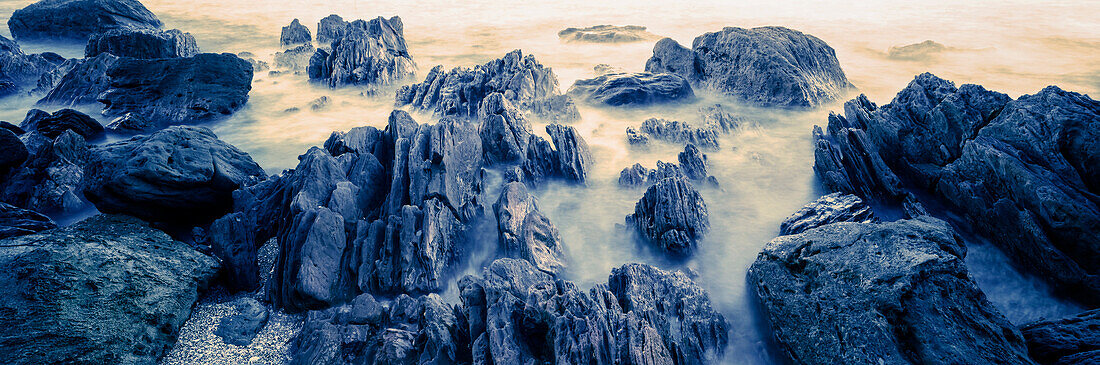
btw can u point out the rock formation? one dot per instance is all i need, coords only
(622, 89)
(607, 34)
(78, 19)
(671, 216)
(295, 34)
(142, 43)
(365, 53)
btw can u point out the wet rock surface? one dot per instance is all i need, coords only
(525, 232)
(1070, 340)
(295, 34)
(142, 43)
(692, 166)
(671, 216)
(53, 125)
(867, 293)
(22, 73)
(78, 19)
(83, 83)
(831, 208)
(15, 221)
(49, 178)
(364, 53)
(106, 290)
(607, 34)
(633, 89)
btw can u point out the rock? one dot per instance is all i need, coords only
(82, 84)
(606, 69)
(131, 123)
(504, 130)
(319, 103)
(524, 232)
(239, 329)
(671, 216)
(766, 66)
(178, 90)
(636, 175)
(257, 65)
(296, 59)
(521, 79)
(230, 240)
(872, 293)
(571, 152)
(633, 89)
(49, 79)
(832, 208)
(330, 28)
(108, 289)
(78, 19)
(1070, 340)
(295, 34)
(922, 51)
(693, 163)
(607, 34)
(692, 166)
(680, 132)
(635, 137)
(718, 118)
(142, 43)
(12, 128)
(20, 72)
(50, 178)
(12, 151)
(366, 53)
(52, 125)
(15, 221)
(177, 175)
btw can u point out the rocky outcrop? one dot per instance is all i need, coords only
(504, 130)
(178, 175)
(524, 232)
(22, 73)
(330, 28)
(53, 125)
(675, 131)
(1005, 166)
(633, 89)
(1063, 341)
(831, 208)
(365, 53)
(295, 59)
(767, 66)
(241, 328)
(922, 51)
(572, 157)
(49, 179)
(178, 90)
(521, 79)
(607, 34)
(83, 83)
(873, 293)
(15, 221)
(78, 19)
(671, 216)
(131, 123)
(692, 166)
(142, 43)
(106, 290)
(295, 34)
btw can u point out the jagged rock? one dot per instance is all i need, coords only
(295, 34)
(78, 19)
(296, 59)
(179, 175)
(524, 232)
(330, 28)
(1064, 341)
(239, 329)
(573, 158)
(522, 80)
(257, 65)
(15, 221)
(131, 123)
(49, 79)
(142, 43)
(53, 125)
(671, 216)
(504, 130)
(635, 137)
(556, 109)
(607, 34)
(319, 103)
(366, 53)
(605, 69)
(767, 66)
(832, 208)
(680, 132)
(108, 289)
(82, 84)
(633, 89)
(12, 151)
(718, 118)
(49, 180)
(20, 72)
(693, 163)
(917, 51)
(692, 166)
(636, 175)
(230, 240)
(178, 90)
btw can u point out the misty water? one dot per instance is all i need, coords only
(765, 169)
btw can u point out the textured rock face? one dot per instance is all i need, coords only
(179, 174)
(633, 89)
(607, 34)
(142, 43)
(20, 72)
(1019, 171)
(49, 179)
(767, 66)
(83, 83)
(78, 19)
(239, 329)
(524, 232)
(15, 221)
(330, 28)
(870, 293)
(1070, 340)
(12, 151)
(365, 53)
(573, 158)
(178, 90)
(53, 125)
(521, 79)
(671, 216)
(504, 130)
(680, 132)
(107, 290)
(297, 58)
(692, 166)
(295, 34)
(832, 208)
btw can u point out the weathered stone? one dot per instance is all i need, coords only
(239, 329)
(15, 221)
(142, 43)
(832, 208)
(671, 216)
(82, 84)
(1071, 340)
(49, 180)
(633, 89)
(504, 130)
(607, 34)
(295, 34)
(366, 53)
(53, 125)
(680, 132)
(78, 19)
(524, 232)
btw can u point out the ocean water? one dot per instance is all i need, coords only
(765, 168)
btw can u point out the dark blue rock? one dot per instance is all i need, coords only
(12, 151)
(83, 83)
(633, 89)
(832, 208)
(53, 125)
(15, 221)
(142, 43)
(78, 19)
(1063, 341)
(295, 34)
(365, 53)
(51, 178)
(239, 329)
(671, 216)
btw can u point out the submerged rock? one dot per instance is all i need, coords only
(524, 232)
(15, 221)
(365, 53)
(767, 66)
(142, 43)
(108, 289)
(295, 34)
(53, 125)
(21, 72)
(873, 293)
(607, 34)
(78, 19)
(296, 59)
(917, 51)
(1071, 340)
(178, 175)
(832, 208)
(671, 216)
(633, 89)
(680, 132)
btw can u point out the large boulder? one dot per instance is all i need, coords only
(642, 88)
(875, 293)
(180, 174)
(83, 83)
(142, 43)
(504, 130)
(16, 221)
(50, 178)
(106, 290)
(1071, 340)
(53, 125)
(525, 232)
(607, 34)
(574, 159)
(831, 208)
(12, 151)
(174, 91)
(78, 19)
(767, 66)
(366, 53)
(671, 216)
(675, 131)
(21, 72)
(295, 34)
